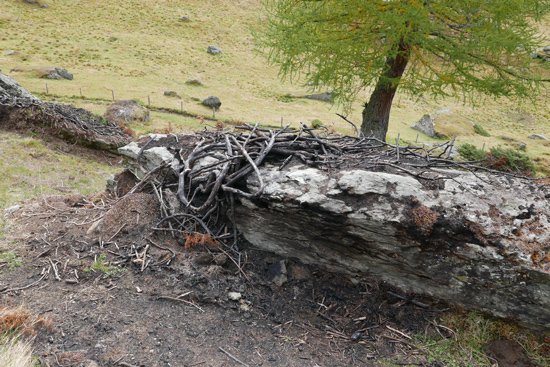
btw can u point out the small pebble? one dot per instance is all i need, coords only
(234, 296)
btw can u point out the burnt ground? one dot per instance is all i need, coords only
(181, 313)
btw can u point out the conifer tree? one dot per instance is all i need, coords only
(460, 48)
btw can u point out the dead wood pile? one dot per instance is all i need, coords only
(198, 194)
(70, 123)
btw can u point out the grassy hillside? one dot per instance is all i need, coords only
(139, 49)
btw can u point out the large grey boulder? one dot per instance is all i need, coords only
(444, 123)
(52, 72)
(425, 125)
(324, 97)
(10, 87)
(212, 102)
(127, 111)
(172, 93)
(475, 240)
(537, 137)
(479, 241)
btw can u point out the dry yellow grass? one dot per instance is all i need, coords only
(15, 353)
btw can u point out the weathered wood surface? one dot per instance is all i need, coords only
(478, 243)
(480, 240)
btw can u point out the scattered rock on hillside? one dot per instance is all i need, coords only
(172, 93)
(324, 97)
(446, 124)
(212, 102)
(194, 82)
(185, 19)
(52, 72)
(520, 146)
(126, 111)
(537, 137)
(544, 55)
(214, 50)
(425, 126)
(12, 88)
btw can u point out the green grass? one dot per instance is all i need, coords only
(32, 167)
(100, 264)
(11, 259)
(460, 340)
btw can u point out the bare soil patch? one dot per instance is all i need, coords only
(182, 312)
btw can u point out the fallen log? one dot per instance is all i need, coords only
(357, 206)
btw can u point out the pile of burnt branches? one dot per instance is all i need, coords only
(208, 178)
(71, 123)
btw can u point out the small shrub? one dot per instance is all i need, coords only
(192, 240)
(471, 153)
(509, 160)
(19, 320)
(127, 129)
(498, 158)
(481, 130)
(316, 123)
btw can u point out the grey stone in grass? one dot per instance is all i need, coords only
(214, 50)
(425, 126)
(172, 93)
(194, 82)
(212, 102)
(537, 137)
(324, 97)
(64, 74)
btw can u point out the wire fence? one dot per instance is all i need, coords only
(112, 98)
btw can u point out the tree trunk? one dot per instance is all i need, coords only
(376, 114)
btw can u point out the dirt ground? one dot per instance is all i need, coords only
(197, 310)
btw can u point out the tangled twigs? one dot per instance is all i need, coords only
(209, 177)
